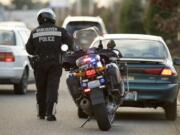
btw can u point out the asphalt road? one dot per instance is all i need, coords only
(18, 117)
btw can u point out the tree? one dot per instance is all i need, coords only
(85, 7)
(20, 4)
(131, 17)
(162, 18)
(106, 15)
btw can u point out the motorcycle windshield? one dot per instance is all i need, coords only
(84, 37)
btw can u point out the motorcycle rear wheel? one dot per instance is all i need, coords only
(101, 115)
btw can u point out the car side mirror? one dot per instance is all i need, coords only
(176, 61)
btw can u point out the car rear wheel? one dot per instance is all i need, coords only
(171, 110)
(21, 87)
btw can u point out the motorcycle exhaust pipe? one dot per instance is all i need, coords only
(85, 105)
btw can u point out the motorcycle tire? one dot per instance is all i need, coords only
(101, 115)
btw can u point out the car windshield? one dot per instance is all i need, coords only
(7, 38)
(74, 26)
(143, 49)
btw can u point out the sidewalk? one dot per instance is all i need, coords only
(178, 102)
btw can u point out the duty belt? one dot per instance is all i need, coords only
(47, 57)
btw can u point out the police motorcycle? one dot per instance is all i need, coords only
(92, 81)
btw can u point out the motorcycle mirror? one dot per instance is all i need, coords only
(100, 46)
(75, 34)
(64, 47)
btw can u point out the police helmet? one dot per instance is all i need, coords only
(46, 15)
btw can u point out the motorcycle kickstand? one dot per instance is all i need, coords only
(89, 118)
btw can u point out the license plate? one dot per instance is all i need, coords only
(130, 78)
(93, 84)
(132, 95)
(97, 96)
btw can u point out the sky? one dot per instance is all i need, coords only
(100, 2)
(6, 2)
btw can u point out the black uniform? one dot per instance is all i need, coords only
(45, 44)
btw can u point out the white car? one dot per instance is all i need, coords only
(13, 24)
(74, 23)
(14, 64)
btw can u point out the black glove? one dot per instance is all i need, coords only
(33, 60)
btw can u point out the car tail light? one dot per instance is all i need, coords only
(7, 57)
(156, 71)
(91, 73)
(167, 72)
(160, 71)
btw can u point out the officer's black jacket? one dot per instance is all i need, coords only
(46, 40)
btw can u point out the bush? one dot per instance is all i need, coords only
(162, 17)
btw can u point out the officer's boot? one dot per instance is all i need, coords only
(50, 112)
(41, 108)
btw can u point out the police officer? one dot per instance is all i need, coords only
(45, 45)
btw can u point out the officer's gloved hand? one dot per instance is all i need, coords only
(69, 52)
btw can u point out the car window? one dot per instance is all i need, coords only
(146, 49)
(74, 26)
(7, 38)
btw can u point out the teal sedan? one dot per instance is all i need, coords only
(153, 80)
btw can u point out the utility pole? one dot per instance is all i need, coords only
(91, 7)
(178, 32)
(78, 7)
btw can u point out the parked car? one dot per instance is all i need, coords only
(13, 24)
(14, 64)
(74, 23)
(3, 15)
(153, 80)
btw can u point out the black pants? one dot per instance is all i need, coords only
(73, 87)
(47, 76)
